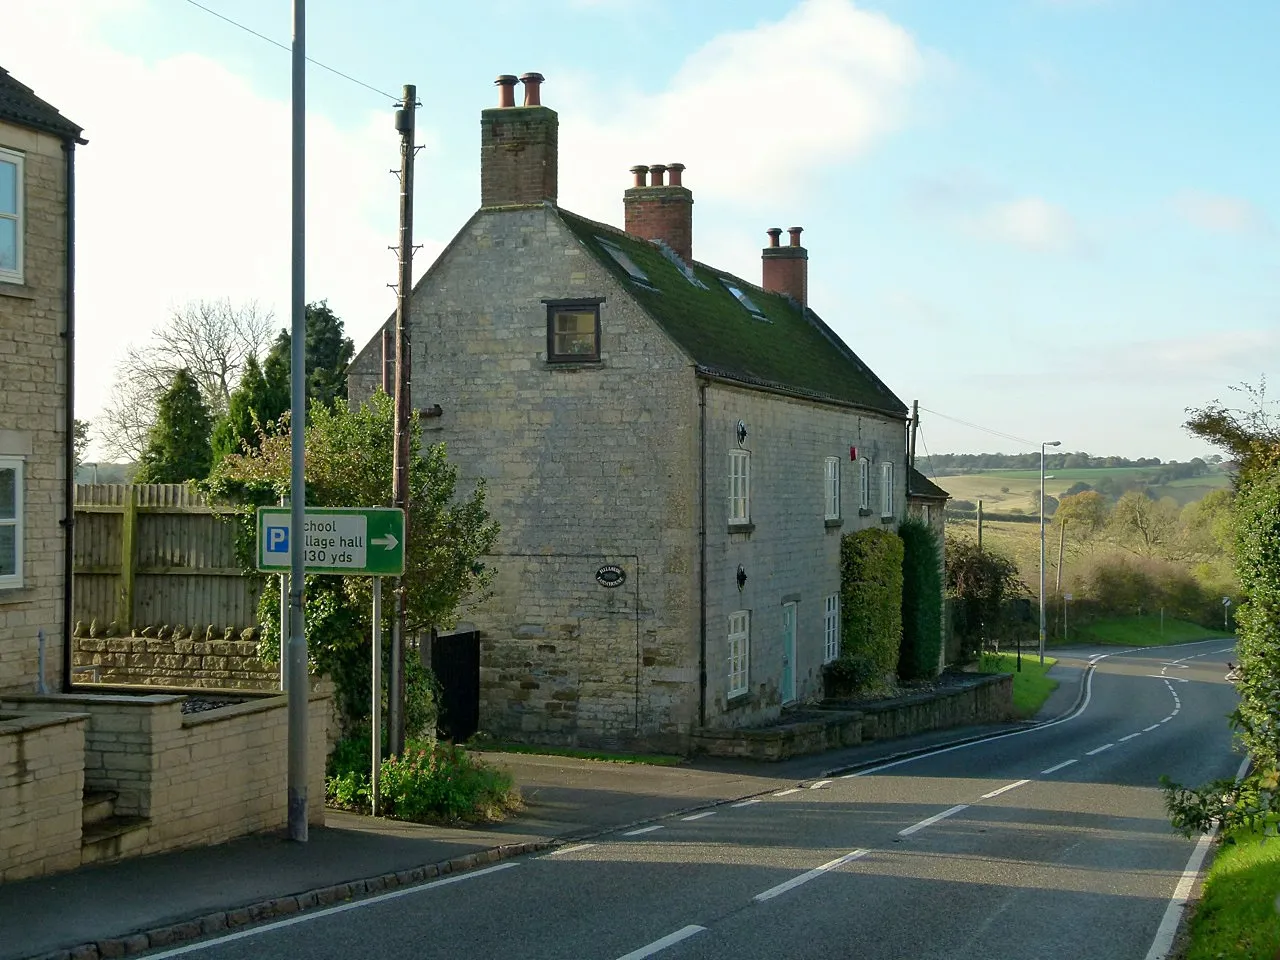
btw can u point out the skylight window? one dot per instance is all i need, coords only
(625, 262)
(743, 299)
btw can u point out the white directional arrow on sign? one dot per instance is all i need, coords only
(389, 541)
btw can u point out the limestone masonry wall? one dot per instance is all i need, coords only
(228, 664)
(41, 793)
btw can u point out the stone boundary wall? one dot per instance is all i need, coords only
(988, 700)
(41, 793)
(226, 663)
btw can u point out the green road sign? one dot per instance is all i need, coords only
(356, 541)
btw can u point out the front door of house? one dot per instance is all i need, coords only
(788, 652)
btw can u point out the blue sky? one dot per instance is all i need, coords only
(1051, 218)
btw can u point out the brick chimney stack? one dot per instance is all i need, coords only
(661, 211)
(519, 146)
(786, 269)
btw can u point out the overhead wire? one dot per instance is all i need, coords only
(978, 426)
(286, 47)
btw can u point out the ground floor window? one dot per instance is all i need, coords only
(831, 627)
(10, 522)
(739, 651)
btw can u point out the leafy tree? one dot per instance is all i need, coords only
(1085, 514)
(348, 463)
(328, 352)
(178, 448)
(256, 405)
(1207, 523)
(1145, 526)
(80, 439)
(1248, 433)
(978, 582)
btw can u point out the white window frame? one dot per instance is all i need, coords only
(738, 662)
(831, 627)
(19, 161)
(924, 513)
(886, 489)
(831, 487)
(15, 464)
(739, 486)
(864, 484)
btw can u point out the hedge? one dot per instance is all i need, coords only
(921, 601)
(871, 600)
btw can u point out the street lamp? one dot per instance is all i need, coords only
(1047, 443)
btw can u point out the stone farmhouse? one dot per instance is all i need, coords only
(673, 453)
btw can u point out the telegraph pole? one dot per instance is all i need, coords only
(915, 428)
(400, 457)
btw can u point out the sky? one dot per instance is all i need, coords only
(1042, 219)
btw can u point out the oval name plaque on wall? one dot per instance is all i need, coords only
(611, 575)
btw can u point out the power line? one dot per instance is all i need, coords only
(283, 46)
(976, 426)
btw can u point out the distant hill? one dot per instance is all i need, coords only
(951, 464)
(105, 472)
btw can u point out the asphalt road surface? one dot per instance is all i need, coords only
(1047, 843)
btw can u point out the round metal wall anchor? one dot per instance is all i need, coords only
(742, 578)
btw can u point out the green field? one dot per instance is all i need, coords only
(1142, 632)
(1006, 491)
(1031, 688)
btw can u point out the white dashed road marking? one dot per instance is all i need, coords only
(1005, 789)
(699, 816)
(745, 803)
(787, 793)
(806, 877)
(819, 785)
(649, 949)
(930, 821)
(636, 833)
(574, 849)
(1129, 737)
(1055, 769)
(1096, 750)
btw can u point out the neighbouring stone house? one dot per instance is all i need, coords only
(673, 453)
(37, 162)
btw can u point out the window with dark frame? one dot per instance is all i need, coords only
(573, 330)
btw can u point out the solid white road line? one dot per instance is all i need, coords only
(1105, 746)
(636, 833)
(684, 933)
(329, 911)
(932, 820)
(1150, 728)
(788, 792)
(745, 803)
(1167, 719)
(1182, 892)
(699, 816)
(819, 785)
(1129, 737)
(1055, 769)
(574, 849)
(1005, 789)
(806, 877)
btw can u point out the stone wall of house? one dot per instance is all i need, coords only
(789, 553)
(41, 793)
(586, 465)
(33, 410)
(169, 662)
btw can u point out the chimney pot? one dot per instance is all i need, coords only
(795, 235)
(656, 171)
(640, 170)
(774, 233)
(506, 84)
(532, 89)
(675, 169)
(786, 269)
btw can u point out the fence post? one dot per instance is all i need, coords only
(128, 537)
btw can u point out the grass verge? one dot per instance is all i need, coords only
(1141, 632)
(1031, 688)
(1238, 915)
(654, 759)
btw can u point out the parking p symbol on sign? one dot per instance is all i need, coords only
(277, 539)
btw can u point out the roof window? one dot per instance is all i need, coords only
(743, 299)
(625, 262)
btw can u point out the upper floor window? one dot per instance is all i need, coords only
(573, 330)
(864, 484)
(831, 486)
(886, 489)
(10, 522)
(11, 216)
(739, 486)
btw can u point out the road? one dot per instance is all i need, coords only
(1047, 843)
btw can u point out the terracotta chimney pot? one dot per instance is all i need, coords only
(506, 84)
(675, 169)
(532, 89)
(795, 235)
(656, 171)
(774, 233)
(640, 170)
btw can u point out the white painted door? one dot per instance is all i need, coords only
(788, 652)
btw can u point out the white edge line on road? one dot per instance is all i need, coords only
(807, 876)
(671, 939)
(1150, 728)
(788, 792)
(745, 803)
(819, 785)
(1105, 746)
(1167, 719)
(1056, 768)
(1129, 737)
(636, 833)
(1005, 789)
(574, 849)
(699, 816)
(328, 911)
(930, 821)
(1182, 892)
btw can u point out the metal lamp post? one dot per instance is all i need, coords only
(1047, 443)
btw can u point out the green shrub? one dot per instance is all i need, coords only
(921, 602)
(978, 583)
(441, 781)
(871, 600)
(849, 674)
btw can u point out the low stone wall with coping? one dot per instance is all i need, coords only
(41, 792)
(174, 662)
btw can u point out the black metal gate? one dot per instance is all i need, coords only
(455, 660)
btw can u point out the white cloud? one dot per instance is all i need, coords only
(753, 114)
(1221, 214)
(1031, 223)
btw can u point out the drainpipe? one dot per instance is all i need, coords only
(702, 555)
(69, 448)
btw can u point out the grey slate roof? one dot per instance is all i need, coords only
(918, 485)
(20, 106)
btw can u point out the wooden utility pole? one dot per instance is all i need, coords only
(400, 456)
(979, 524)
(915, 428)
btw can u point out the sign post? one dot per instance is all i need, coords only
(349, 541)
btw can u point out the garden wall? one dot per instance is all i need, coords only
(41, 793)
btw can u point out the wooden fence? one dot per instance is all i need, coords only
(155, 555)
